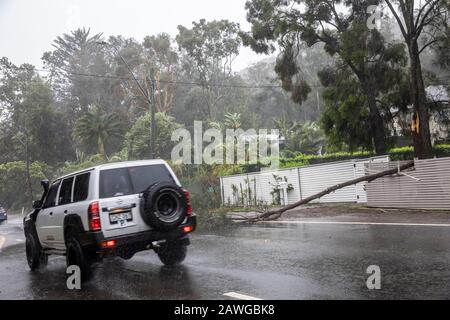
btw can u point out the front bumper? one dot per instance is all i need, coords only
(132, 243)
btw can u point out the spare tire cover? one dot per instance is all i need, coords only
(163, 206)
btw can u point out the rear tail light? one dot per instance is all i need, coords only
(109, 244)
(188, 229)
(94, 217)
(188, 202)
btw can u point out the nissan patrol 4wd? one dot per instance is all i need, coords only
(114, 209)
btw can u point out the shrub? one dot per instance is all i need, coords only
(407, 153)
(442, 150)
(14, 190)
(301, 160)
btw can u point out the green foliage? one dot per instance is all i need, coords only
(214, 220)
(307, 138)
(13, 183)
(304, 160)
(137, 140)
(442, 150)
(301, 160)
(80, 164)
(345, 119)
(368, 66)
(407, 153)
(96, 128)
(30, 122)
(233, 120)
(45, 126)
(404, 153)
(203, 184)
(211, 47)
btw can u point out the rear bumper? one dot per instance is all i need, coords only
(136, 242)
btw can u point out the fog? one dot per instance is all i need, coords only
(27, 28)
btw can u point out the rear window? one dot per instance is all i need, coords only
(131, 180)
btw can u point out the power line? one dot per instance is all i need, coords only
(115, 77)
(268, 86)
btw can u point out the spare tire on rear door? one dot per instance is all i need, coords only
(163, 206)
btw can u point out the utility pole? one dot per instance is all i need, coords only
(151, 101)
(153, 115)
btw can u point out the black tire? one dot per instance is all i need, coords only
(172, 253)
(75, 256)
(163, 206)
(44, 259)
(33, 252)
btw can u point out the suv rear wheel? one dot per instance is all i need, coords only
(172, 253)
(75, 256)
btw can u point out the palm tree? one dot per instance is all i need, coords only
(306, 138)
(216, 125)
(94, 126)
(311, 138)
(233, 120)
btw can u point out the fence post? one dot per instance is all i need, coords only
(299, 185)
(222, 192)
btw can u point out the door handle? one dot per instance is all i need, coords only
(65, 211)
(51, 213)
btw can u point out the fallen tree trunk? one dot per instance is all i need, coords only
(275, 214)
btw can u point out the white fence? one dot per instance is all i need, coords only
(288, 186)
(427, 186)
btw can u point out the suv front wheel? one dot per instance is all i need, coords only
(33, 253)
(172, 253)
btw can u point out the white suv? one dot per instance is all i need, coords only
(110, 210)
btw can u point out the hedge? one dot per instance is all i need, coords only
(407, 153)
(301, 160)
(404, 153)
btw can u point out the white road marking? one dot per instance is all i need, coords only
(363, 223)
(2, 242)
(240, 296)
(20, 240)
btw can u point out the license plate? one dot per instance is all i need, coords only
(122, 223)
(120, 218)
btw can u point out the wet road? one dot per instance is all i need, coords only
(276, 261)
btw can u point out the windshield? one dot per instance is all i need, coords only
(131, 180)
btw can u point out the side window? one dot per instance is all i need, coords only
(50, 201)
(81, 190)
(65, 194)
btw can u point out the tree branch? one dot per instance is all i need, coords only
(399, 21)
(423, 22)
(429, 44)
(275, 214)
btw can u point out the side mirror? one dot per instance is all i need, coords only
(46, 185)
(37, 204)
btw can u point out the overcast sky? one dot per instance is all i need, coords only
(28, 27)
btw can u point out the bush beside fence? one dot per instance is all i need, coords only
(301, 160)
